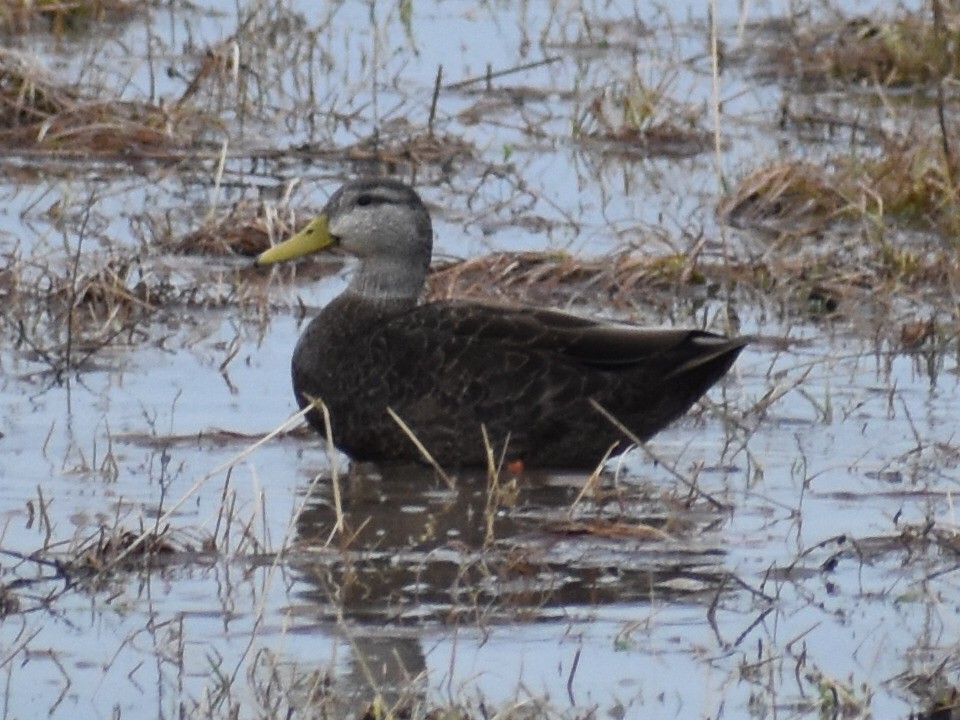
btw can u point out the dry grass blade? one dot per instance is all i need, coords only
(592, 481)
(334, 455)
(691, 486)
(423, 450)
(492, 74)
(495, 491)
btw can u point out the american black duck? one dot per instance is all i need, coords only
(448, 369)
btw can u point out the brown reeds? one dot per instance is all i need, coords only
(246, 229)
(908, 49)
(908, 181)
(641, 118)
(61, 17)
(39, 115)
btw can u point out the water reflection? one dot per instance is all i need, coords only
(415, 554)
(413, 548)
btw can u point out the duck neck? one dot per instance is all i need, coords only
(384, 281)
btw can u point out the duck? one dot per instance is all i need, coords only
(458, 382)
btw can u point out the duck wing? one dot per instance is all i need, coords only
(596, 344)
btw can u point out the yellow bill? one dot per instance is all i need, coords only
(313, 238)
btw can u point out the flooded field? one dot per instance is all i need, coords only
(174, 542)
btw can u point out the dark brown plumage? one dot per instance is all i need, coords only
(530, 377)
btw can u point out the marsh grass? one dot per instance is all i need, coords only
(41, 115)
(796, 197)
(641, 118)
(910, 186)
(63, 17)
(902, 50)
(399, 148)
(901, 165)
(65, 317)
(818, 285)
(914, 181)
(246, 229)
(540, 276)
(909, 183)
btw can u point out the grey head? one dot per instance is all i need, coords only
(385, 224)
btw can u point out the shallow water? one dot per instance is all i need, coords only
(813, 552)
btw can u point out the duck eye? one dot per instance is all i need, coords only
(365, 200)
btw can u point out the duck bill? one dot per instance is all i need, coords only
(313, 238)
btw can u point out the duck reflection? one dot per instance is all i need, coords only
(414, 550)
(414, 553)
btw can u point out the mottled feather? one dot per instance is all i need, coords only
(528, 376)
